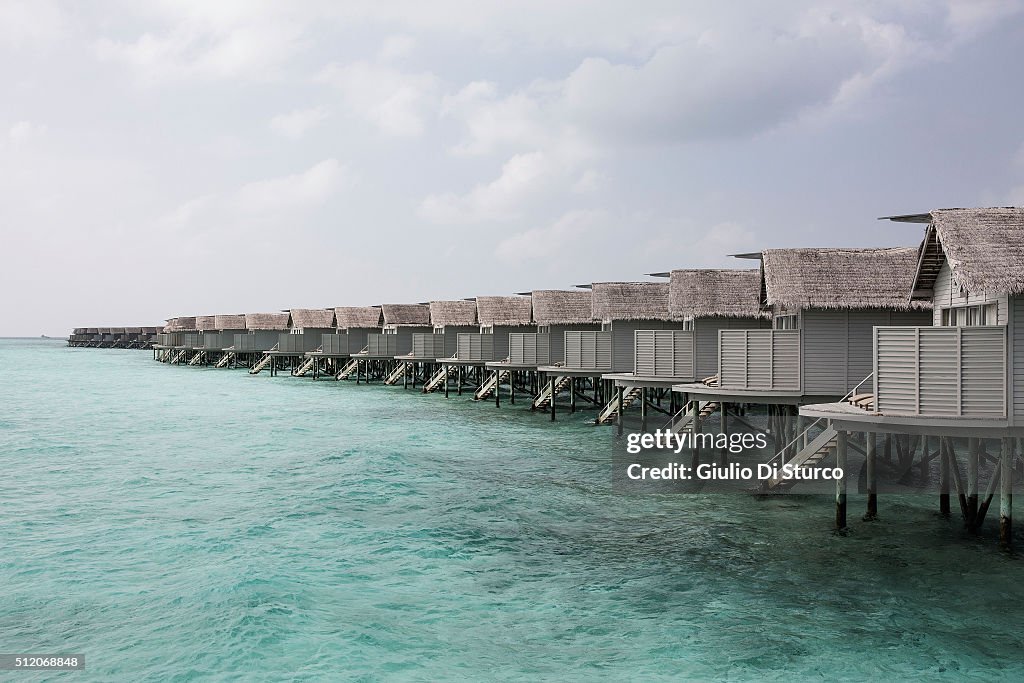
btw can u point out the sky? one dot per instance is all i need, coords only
(194, 158)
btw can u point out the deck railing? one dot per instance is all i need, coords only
(941, 371)
(379, 344)
(336, 344)
(428, 345)
(759, 359)
(588, 350)
(529, 348)
(663, 353)
(473, 346)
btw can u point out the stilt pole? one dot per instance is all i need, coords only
(870, 450)
(841, 481)
(1006, 493)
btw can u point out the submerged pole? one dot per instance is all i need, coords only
(944, 474)
(643, 410)
(872, 483)
(551, 385)
(618, 400)
(973, 459)
(841, 481)
(1006, 493)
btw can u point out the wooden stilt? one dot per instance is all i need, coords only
(973, 460)
(841, 481)
(872, 483)
(943, 481)
(618, 399)
(1006, 493)
(551, 388)
(643, 410)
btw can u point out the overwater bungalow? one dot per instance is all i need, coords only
(704, 301)
(448, 319)
(953, 390)
(305, 330)
(621, 308)
(498, 317)
(824, 304)
(148, 337)
(262, 331)
(217, 339)
(170, 347)
(193, 342)
(555, 312)
(353, 325)
(401, 322)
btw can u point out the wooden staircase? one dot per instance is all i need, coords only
(610, 412)
(396, 374)
(198, 358)
(225, 359)
(304, 369)
(544, 398)
(264, 362)
(439, 378)
(347, 371)
(492, 382)
(819, 448)
(683, 419)
(178, 357)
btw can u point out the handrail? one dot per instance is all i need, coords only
(801, 435)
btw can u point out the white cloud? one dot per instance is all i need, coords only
(295, 123)
(397, 103)
(24, 132)
(569, 231)
(524, 179)
(590, 181)
(260, 203)
(30, 24)
(189, 42)
(396, 47)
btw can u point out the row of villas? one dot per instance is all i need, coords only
(114, 337)
(869, 353)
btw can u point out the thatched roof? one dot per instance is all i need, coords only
(839, 278)
(709, 293)
(206, 322)
(504, 310)
(409, 315)
(117, 330)
(266, 321)
(78, 330)
(104, 330)
(92, 330)
(354, 317)
(229, 322)
(560, 307)
(312, 318)
(133, 330)
(151, 330)
(984, 249)
(181, 324)
(443, 313)
(630, 300)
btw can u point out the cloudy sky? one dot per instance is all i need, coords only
(196, 157)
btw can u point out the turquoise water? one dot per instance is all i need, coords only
(175, 523)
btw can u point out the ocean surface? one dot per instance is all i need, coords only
(175, 523)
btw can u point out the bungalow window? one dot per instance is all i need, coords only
(295, 330)
(487, 329)
(606, 326)
(688, 324)
(970, 316)
(438, 329)
(786, 322)
(390, 330)
(543, 329)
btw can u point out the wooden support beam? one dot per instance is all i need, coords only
(841, 481)
(1006, 494)
(870, 439)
